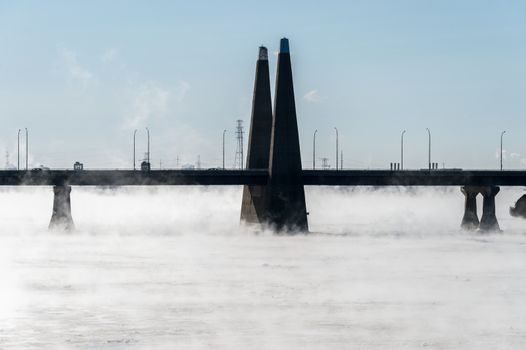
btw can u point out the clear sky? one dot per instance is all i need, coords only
(82, 75)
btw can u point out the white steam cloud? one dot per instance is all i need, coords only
(312, 96)
(109, 55)
(151, 100)
(75, 70)
(171, 267)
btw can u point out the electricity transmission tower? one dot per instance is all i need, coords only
(238, 161)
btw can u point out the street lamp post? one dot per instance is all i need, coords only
(148, 151)
(336, 147)
(27, 149)
(402, 151)
(224, 131)
(501, 136)
(429, 148)
(314, 150)
(18, 150)
(134, 134)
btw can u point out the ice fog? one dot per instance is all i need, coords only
(172, 268)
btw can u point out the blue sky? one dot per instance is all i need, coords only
(83, 75)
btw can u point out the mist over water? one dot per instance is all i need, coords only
(170, 267)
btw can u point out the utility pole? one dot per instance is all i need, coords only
(501, 136)
(224, 131)
(314, 150)
(27, 149)
(429, 148)
(402, 151)
(336, 147)
(18, 151)
(148, 153)
(134, 134)
(341, 160)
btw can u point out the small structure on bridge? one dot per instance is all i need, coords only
(78, 166)
(145, 166)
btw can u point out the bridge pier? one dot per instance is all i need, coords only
(281, 203)
(489, 222)
(470, 220)
(61, 217)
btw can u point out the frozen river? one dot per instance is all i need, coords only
(171, 268)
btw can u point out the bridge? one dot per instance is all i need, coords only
(471, 181)
(273, 192)
(215, 177)
(260, 177)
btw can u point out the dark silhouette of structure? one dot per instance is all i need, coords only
(281, 203)
(483, 181)
(286, 195)
(520, 207)
(61, 217)
(470, 220)
(253, 206)
(489, 222)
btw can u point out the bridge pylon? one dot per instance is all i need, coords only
(254, 204)
(281, 203)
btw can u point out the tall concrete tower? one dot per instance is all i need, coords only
(274, 145)
(253, 208)
(287, 210)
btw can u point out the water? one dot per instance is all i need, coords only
(171, 268)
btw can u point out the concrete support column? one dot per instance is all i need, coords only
(254, 204)
(274, 145)
(470, 220)
(286, 207)
(489, 222)
(61, 217)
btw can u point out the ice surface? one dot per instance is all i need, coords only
(171, 268)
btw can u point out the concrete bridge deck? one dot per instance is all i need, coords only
(414, 178)
(132, 177)
(260, 177)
